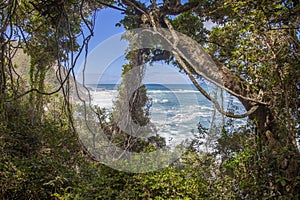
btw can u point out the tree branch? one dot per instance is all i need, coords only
(137, 5)
(168, 10)
(220, 75)
(250, 107)
(213, 100)
(111, 6)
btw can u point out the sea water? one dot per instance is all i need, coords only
(176, 109)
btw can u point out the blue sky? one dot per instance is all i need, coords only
(104, 29)
(104, 67)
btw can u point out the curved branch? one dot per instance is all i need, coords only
(136, 5)
(213, 100)
(235, 89)
(168, 10)
(62, 82)
(111, 6)
(177, 52)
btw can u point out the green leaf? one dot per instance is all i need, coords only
(283, 182)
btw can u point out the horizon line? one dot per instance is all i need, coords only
(144, 84)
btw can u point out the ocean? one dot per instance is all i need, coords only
(176, 109)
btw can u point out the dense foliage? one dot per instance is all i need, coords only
(256, 47)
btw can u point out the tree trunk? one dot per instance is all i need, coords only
(280, 151)
(277, 142)
(2, 73)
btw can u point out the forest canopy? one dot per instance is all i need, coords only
(254, 45)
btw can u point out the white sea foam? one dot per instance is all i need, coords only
(104, 99)
(175, 114)
(171, 91)
(155, 100)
